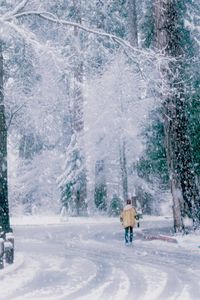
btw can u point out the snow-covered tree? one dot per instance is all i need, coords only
(172, 38)
(73, 180)
(100, 193)
(77, 84)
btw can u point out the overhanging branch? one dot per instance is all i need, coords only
(53, 18)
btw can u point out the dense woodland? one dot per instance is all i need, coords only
(99, 101)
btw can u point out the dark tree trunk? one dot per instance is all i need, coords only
(132, 23)
(100, 190)
(100, 16)
(179, 155)
(78, 124)
(4, 207)
(133, 39)
(123, 166)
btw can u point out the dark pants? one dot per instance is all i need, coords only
(127, 237)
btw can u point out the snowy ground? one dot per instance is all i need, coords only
(85, 258)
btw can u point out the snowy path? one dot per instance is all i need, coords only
(89, 261)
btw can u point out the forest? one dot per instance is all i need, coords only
(99, 102)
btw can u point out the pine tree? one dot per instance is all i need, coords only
(116, 206)
(152, 165)
(73, 181)
(100, 194)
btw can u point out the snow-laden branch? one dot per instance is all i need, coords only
(17, 9)
(135, 54)
(53, 18)
(39, 47)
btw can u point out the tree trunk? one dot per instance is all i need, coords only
(80, 192)
(123, 166)
(100, 16)
(4, 207)
(179, 155)
(133, 39)
(100, 190)
(78, 124)
(132, 23)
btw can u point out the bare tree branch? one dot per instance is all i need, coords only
(14, 113)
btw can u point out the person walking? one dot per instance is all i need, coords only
(128, 221)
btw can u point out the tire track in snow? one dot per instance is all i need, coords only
(120, 285)
(181, 286)
(9, 269)
(18, 279)
(113, 283)
(49, 279)
(168, 284)
(155, 281)
(148, 269)
(108, 284)
(97, 281)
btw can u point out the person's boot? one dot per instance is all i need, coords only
(131, 238)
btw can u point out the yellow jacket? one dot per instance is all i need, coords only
(127, 216)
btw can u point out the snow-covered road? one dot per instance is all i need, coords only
(88, 260)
